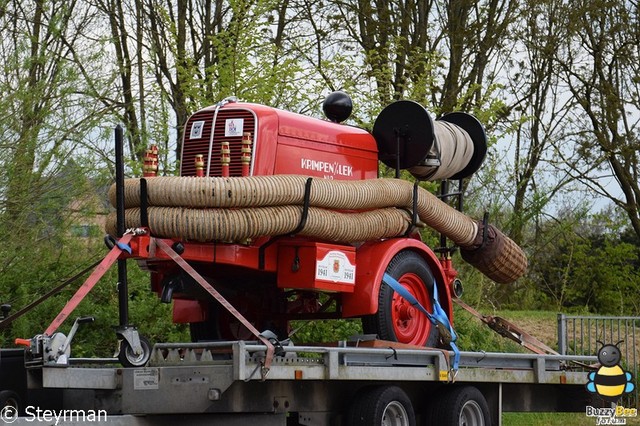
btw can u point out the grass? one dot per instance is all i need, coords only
(555, 419)
(475, 336)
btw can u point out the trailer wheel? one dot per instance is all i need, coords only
(459, 406)
(381, 406)
(129, 359)
(397, 320)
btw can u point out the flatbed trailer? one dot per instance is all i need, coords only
(279, 275)
(374, 383)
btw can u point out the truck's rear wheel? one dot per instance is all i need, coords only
(397, 320)
(459, 406)
(9, 399)
(381, 406)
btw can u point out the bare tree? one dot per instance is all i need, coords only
(44, 113)
(202, 51)
(407, 44)
(124, 18)
(539, 113)
(600, 65)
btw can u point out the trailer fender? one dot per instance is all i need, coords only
(372, 259)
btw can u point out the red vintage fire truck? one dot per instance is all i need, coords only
(277, 278)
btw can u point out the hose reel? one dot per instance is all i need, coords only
(451, 147)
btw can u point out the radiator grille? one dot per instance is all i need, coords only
(195, 146)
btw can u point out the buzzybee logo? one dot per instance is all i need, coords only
(610, 382)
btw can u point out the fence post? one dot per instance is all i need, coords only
(562, 334)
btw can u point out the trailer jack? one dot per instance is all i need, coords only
(134, 349)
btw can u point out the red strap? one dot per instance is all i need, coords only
(213, 292)
(85, 288)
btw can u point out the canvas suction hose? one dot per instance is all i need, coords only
(237, 208)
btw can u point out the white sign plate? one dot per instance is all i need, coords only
(146, 379)
(336, 267)
(233, 127)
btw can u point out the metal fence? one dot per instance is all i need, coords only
(580, 335)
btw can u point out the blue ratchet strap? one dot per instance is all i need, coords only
(441, 316)
(438, 316)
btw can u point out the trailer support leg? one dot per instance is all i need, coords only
(85, 288)
(124, 330)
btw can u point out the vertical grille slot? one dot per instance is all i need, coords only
(192, 147)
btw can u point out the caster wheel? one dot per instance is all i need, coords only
(128, 358)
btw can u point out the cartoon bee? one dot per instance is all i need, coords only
(610, 381)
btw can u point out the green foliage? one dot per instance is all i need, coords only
(545, 419)
(579, 262)
(325, 330)
(53, 261)
(585, 268)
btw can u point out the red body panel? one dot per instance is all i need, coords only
(186, 311)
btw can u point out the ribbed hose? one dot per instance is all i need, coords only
(240, 224)
(233, 209)
(454, 148)
(282, 190)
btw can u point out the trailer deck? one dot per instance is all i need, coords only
(315, 384)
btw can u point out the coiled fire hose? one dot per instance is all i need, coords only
(453, 148)
(237, 208)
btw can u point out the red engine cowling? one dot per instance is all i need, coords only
(281, 143)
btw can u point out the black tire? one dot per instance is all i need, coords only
(220, 325)
(381, 405)
(459, 406)
(128, 358)
(10, 399)
(204, 331)
(412, 271)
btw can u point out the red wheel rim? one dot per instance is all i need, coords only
(409, 324)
